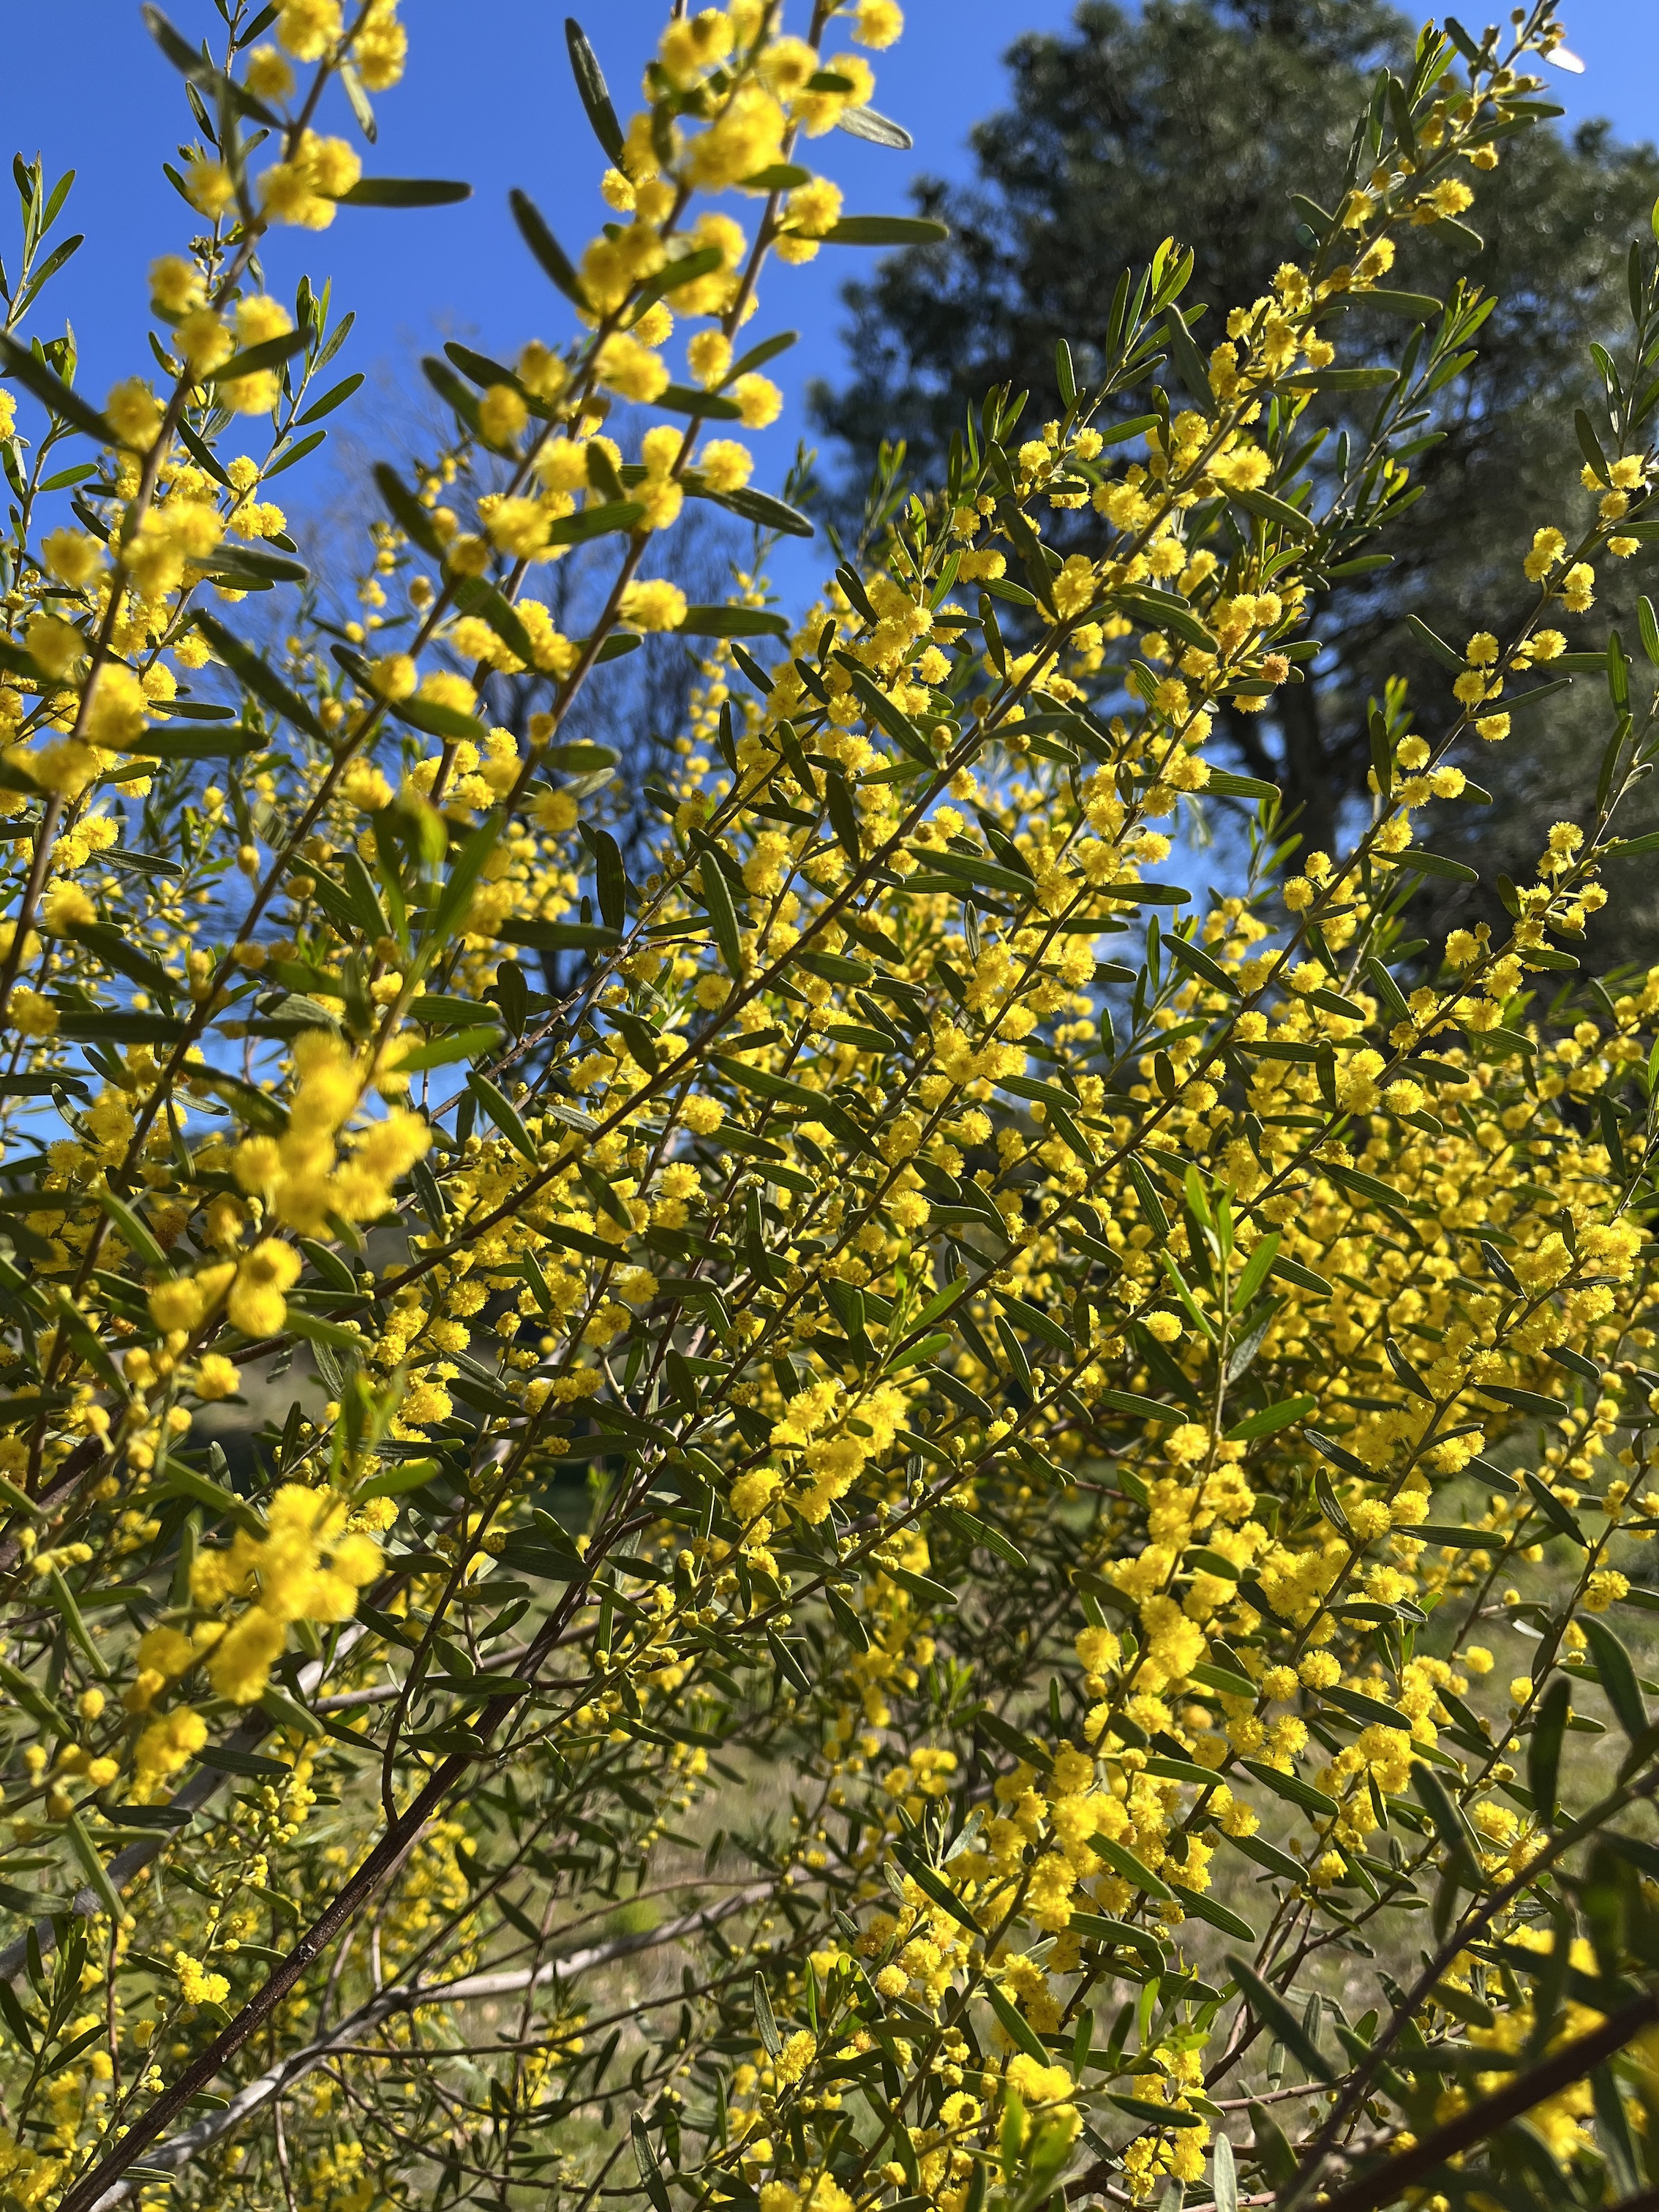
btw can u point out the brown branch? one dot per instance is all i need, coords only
(1389, 2180)
(408, 1996)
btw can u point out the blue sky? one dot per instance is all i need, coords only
(489, 97)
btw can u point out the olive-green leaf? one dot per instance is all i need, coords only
(1618, 1684)
(59, 398)
(270, 353)
(404, 193)
(504, 1115)
(556, 262)
(1271, 2009)
(1449, 1825)
(246, 664)
(722, 914)
(887, 230)
(1544, 1747)
(595, 94)
(732, 622)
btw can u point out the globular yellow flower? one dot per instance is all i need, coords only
(256, 1304)
(304, 188)
(216, 1376)
(503, 414)
(380, 47)
(654, 605)
(758, 400)
(239, 1665)
(72, 556)
(519, 527)
(31, 1014)
(66, 907)
(184, 1302)
(630, 369)
(543, 371)
(116, 716)
(268, 73)
(164, 1747)
(175, 284)
(207, 185)
(709, 357)
(394, 676)
(196, 1984)
(877, 23)
(308, 28)
(695, 43)
(726, 465)
(134, 413)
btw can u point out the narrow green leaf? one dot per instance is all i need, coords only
(1279, 511)
(505, 1116)
(444, 1051)
(732, 622)
(1447, 655)
(1292, 1788)
(1224, 2177)
(1423, 305)
(887, 230)
(332, 399)
(1122, 1860)
(1203, 964)
(407, 512)
(1145, 1409)
(935, 1887)
(1149, 2111)
(560, 936)
(49, 388)
(133, 1232)
(1544, 1747)
(556, 262)
(288, 1712)
(1257, 1268)
(449, 915)
(879, 130)
(270, 353)
(594, 92)
(705, 406)
(248, 665)
(1449, 1823)
(255, 566)
(1225, 784)
(1270, 1419)
(1436, 864)
(1271, 2009)
(764, 511)
(1618, 1684)
(97, 1874)
(1014, 2025)
(404, 193)
(1190, 363)
(316, 1330)
(592, 522)
(1200, 1906)
(722, 916)
(609, 878)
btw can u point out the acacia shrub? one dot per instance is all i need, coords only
(1066, 1376)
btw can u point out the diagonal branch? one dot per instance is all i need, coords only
(178, 2152)
(200, 1789)
(1396, 2175)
